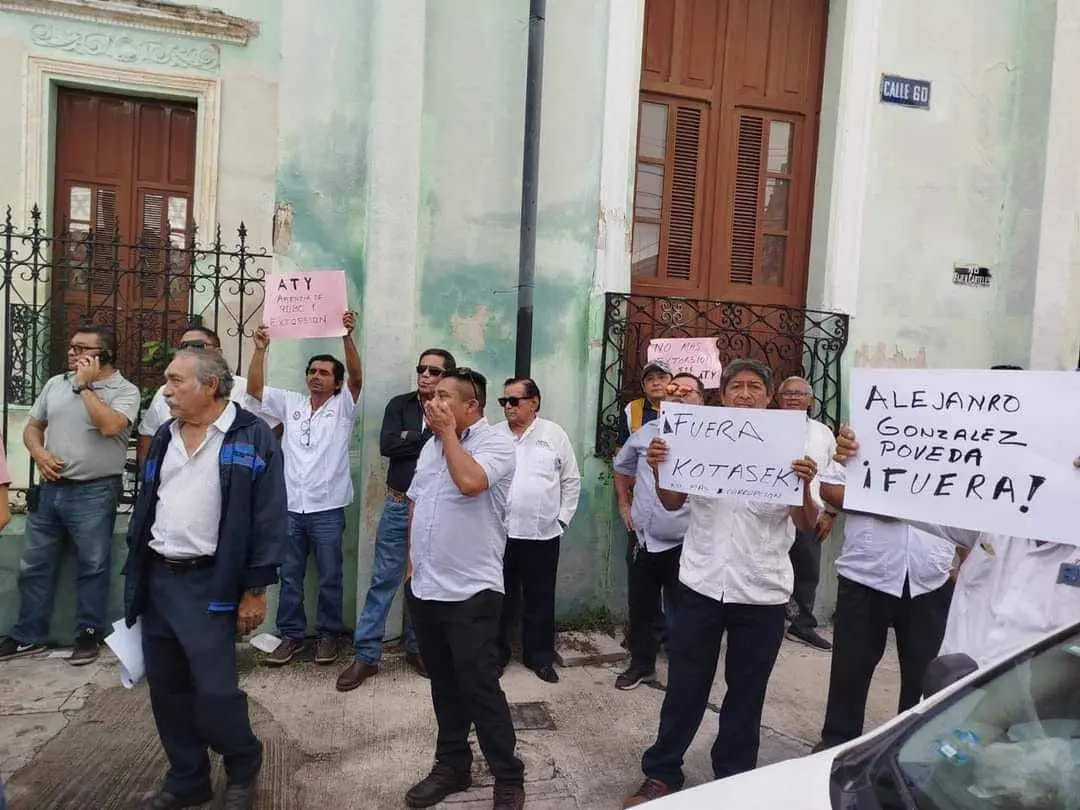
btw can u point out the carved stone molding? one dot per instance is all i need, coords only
(123, 48)
(148, 15)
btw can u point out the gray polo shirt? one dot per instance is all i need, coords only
(71, 435)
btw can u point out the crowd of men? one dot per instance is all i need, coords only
(243, 482)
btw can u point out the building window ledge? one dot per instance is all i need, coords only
(147, 15)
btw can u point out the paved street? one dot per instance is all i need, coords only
(73, 738)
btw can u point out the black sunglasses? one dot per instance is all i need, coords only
(434, 371)
(196, 344)
(515, 401)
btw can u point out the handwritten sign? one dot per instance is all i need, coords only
(733, 452)
(305, 305)
(697, 356)
(985, 450)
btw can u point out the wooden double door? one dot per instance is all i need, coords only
(122, 216)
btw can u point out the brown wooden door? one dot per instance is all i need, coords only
(727, 135)
(125, 173)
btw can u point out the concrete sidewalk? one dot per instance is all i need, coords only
(73, 738)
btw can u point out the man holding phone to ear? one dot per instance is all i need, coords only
(77, 433)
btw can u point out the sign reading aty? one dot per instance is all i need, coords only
(985, 450)
(697, 356)
(733, 452)
(305, 305)
(905, 92)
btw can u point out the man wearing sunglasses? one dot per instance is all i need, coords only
(457, 536)
(196, 338)
(318, 482)
(404, 432)
(543, 500)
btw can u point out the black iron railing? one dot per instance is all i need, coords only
(791, 341)
(147, 291)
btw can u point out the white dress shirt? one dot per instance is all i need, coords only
(157, 412)
(1007, 594)
(883, 553)
(657, 529)
(316, 447)
(547, 484)
(736, 551)
(457, 542)
(188, 512)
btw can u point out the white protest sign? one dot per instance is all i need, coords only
(697, 356)
(733, 452)
(985, 450)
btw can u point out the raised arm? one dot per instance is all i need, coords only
(256, 376)
(353, 369)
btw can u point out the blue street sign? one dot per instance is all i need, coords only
(905, 92)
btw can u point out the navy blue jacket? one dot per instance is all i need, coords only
(254, 522)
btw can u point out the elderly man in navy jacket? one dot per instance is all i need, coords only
(206, 539)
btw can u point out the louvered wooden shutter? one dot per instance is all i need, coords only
(745, 226)
(682, 229)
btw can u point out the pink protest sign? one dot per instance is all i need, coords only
(310, 304)
(697, 356)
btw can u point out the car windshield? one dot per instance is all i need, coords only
(1012, 741)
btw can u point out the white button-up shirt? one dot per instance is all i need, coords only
(656, 528)
(316, 447)
(736, 551)
(188, 511)
(1007, 594)
(547, 484)
(457, 542)
(157, 412)
(883, 553)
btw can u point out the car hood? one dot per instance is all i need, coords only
(801, 783)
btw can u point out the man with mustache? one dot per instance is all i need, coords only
(318, 434)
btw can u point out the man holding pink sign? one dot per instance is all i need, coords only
(318, 432)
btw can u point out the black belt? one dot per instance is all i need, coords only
(67, 482)
(185, 564)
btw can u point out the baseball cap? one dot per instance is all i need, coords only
(655, 365)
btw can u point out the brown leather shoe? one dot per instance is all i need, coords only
(650, 789)
(326, 650)
(509, 797)
(437, 785)
(355, 674)
(285, 652)
(414, 660)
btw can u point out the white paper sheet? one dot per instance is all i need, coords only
(732, 452)
(126, 644)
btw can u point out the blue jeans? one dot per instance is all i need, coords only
(86, 513)
(387, 572)
(321, 533)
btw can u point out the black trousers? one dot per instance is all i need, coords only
(860, 632)
(805, 558)
(461, 654)
(530, 569)
(755, 633)
(652, 575)
(195, 694)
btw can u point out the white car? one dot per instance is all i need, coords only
(1005, 737)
